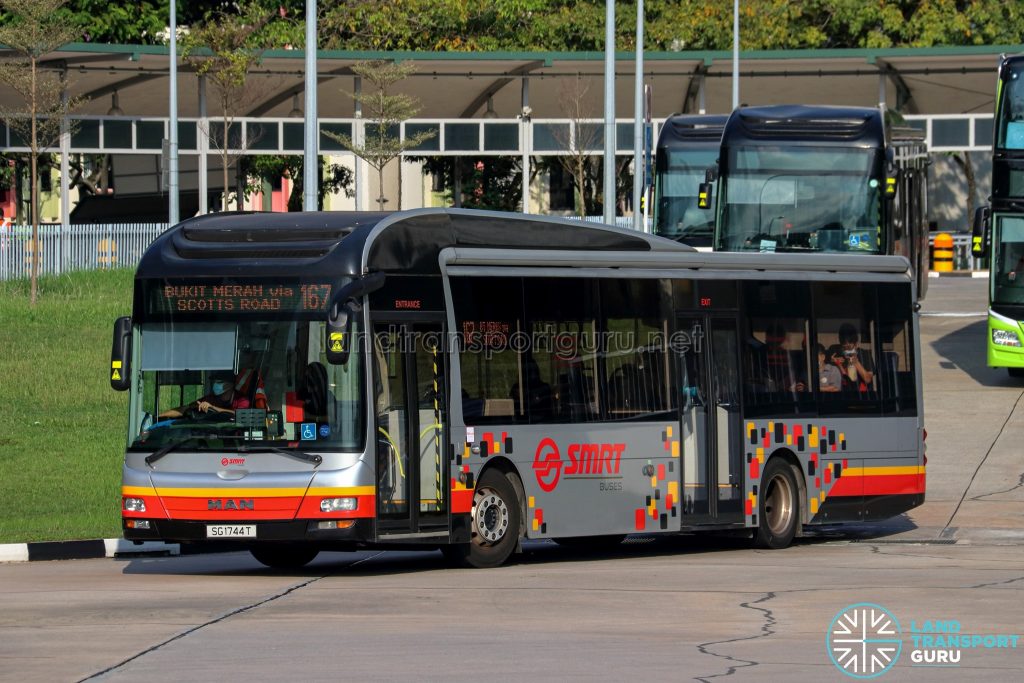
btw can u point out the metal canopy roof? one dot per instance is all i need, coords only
(950, 80)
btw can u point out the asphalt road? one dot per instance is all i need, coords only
(687, 608)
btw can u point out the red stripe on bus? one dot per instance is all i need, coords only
(641, 519)
(878, 485)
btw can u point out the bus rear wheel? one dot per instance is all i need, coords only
(496, 524)
(778, 509)
(284, 556)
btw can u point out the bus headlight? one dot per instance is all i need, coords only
(1005, 338)
(134, 505)
(337, 505)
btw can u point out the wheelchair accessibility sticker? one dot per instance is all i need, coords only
(308, 431)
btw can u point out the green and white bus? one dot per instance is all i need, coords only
(459, 380)
(999, 227)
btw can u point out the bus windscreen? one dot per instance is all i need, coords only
(802, 199)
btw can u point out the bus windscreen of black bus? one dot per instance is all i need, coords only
(680, 173)
(802, 199)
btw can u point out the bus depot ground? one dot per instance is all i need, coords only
(694, 608)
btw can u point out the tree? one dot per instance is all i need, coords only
(33, 30)
(580, 163)
(486, 182)
(263, 169)
(385, 112)
(225, 49)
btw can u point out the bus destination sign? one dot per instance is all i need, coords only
(241, 298)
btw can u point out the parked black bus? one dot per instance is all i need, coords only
(797, 178)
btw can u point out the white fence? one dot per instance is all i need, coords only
(64, 248)
(74, 247)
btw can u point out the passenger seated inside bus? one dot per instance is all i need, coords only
(856, 365)
(829, 378)
(776, 368)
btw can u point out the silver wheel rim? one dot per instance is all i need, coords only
(778, 505)
(490, 516)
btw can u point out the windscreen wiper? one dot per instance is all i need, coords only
(312, 458)
(156, 455)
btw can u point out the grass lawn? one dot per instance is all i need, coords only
(62, 428)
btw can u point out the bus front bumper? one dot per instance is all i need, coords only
(302, 530)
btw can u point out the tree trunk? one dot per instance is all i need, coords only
(380, 179)
(224, 171)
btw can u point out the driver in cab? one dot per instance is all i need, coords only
(223, 398)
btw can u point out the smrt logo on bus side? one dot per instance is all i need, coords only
(584, 458)
(232, 461)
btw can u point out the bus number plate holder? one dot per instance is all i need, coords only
(231, 531)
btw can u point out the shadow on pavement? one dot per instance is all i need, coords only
(965, 349)
(375, 563)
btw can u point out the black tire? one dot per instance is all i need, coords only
(592, 542)
(284, 556)
(778, 507)
(496, 524)
(1015, 373)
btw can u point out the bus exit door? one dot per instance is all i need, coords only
(711, 420)
(409, 386)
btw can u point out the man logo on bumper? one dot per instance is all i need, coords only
(230, 504)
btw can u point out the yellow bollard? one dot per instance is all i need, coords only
(942, 253)
(106, 252)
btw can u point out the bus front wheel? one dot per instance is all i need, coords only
(778, 509)
(1015, 373)
(495, 523)
(284, 556)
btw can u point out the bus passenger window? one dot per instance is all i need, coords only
(846, 327)
(896, 367)
(635, 363)
(488, 317)
(776, 360)
(563, 342)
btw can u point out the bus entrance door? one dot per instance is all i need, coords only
(409, 385)
(710, 420)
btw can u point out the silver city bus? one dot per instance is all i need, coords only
(464, 380)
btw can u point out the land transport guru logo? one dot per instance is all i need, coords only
(584, 460)
(864, 640)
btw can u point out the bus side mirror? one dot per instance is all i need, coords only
(338, 341)
(121, 355)
(344, 305)
(704, 196)
(981, 232)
